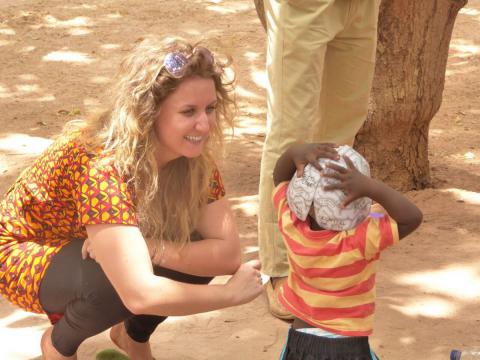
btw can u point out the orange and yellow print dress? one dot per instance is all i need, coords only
(49, 205)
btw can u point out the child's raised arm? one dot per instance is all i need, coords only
(355, 185)
(297, 156)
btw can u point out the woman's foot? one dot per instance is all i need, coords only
(135, 350)
(48, 350)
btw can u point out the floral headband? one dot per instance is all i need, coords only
(175, 63)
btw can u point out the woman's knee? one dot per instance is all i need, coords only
(97, 290)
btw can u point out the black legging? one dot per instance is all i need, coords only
(80, 291)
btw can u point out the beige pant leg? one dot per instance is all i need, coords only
(297, 38)
(304, 102)
(348, 74)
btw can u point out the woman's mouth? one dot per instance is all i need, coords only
(194, 139)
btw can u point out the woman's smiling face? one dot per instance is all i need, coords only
(185, 119)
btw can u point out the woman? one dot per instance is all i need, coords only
(137, 181)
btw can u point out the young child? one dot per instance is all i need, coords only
(331, 285)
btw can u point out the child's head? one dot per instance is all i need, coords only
(307, 192)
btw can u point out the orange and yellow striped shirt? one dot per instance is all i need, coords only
(331, 284)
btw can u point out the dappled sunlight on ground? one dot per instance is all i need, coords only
(463, 48)
(7, 31)
(21, 144)
(244, 93)
(20, 333)
(247, 204)
(250, 249)
(425, 306)
(259, 77)
(245, 125)
(227, 7)
(470, 11)
(455, 282)
(68, 56)
(469, 197)
(52, 22)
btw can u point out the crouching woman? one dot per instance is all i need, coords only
(136, 181)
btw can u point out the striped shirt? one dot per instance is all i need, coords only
(331, 284)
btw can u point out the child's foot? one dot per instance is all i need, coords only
(135, 350)
(48, 350)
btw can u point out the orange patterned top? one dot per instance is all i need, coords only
(65, 189)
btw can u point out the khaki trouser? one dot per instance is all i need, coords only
(320, 64)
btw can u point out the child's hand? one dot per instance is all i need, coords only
(351, 181)
(304, 154)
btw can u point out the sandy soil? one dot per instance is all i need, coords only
(56, 58)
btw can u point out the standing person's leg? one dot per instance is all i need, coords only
(348, 75)
(298, 32)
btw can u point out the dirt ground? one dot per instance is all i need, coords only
(57, 58)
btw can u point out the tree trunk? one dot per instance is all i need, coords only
(261, 12)
(412, 53)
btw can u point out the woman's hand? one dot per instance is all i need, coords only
(246, 284)
(351, 181)
(87, 250)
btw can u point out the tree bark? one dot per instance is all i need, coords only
(261, 12)
(412, 54)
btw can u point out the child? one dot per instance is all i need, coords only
(331, 285)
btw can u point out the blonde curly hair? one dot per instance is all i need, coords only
(168, 202)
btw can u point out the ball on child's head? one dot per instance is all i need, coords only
(329, 214)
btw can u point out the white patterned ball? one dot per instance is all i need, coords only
(329, 213)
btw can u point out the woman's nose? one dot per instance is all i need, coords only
(203, 123)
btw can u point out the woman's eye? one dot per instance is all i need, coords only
(188, 112)
(211, 109)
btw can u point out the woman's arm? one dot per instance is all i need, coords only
(219, 253)
(123, 255)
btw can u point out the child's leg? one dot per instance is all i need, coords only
(284, 350)
(304, 346)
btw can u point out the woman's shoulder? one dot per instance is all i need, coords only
(56, 158)
(75, 148)
(67, 144)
